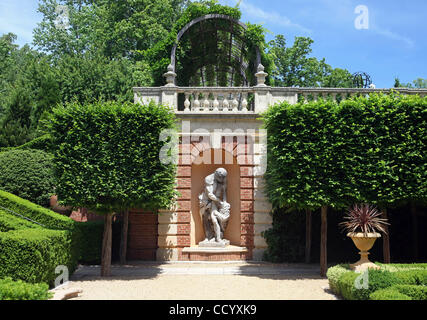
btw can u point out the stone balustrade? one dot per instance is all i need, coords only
(247, 100)
(217, 99)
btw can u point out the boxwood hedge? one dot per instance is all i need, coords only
(19, 290)
(32, 255)
(31, 251)
(404, 284)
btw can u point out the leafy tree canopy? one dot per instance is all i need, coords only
(294, 67)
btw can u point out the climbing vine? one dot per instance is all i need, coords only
(216, 50)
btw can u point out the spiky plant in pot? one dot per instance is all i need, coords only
(363, 223)
(364, 218)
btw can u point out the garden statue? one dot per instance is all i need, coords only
(214, 209)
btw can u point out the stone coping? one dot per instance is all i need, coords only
(230, 115)
(228, 249)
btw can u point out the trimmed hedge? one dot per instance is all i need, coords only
(413, 277)
(19, 290)
(41, 143)
(27, 174)
(335, 273)
(32, 255)
(10, 222)
(378, 279)
(46, 217)
(401, 292)
(107, 156)
(415, 292)
(361, 150)
(382, 284)
(389, 294)
(31, 252)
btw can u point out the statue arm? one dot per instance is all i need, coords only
(210, 193)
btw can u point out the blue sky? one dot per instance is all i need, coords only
(395, 43)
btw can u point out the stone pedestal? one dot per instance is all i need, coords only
(213, 244)
(229, 253)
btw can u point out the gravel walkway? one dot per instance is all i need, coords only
(205, 281)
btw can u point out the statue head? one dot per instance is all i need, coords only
(220, 175)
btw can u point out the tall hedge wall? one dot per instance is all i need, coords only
(366, 149)
(107, 156)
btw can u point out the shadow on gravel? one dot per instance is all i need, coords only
(131, 271)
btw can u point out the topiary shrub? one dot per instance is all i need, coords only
(107, 159)
(377, 279)
(19, 290)
(10, 222)
(396, 285)
(388, 294)
(413, 291)
(46, 217)
(32, 255)
(31, 251)
(412, 277)
(334, 274)
(27, 174)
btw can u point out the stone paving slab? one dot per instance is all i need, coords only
(155, 269)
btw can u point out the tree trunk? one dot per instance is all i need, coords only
(414, 232)
(106, 246)
(124, 238)
(307, 236)
(386, 239)
(323, 241)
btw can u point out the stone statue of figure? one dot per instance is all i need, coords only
(214, 209)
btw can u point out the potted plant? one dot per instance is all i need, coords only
(363, 224)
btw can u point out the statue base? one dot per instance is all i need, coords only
(213, 244)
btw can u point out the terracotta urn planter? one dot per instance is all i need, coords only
(364, 242)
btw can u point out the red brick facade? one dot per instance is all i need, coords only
(143, 234)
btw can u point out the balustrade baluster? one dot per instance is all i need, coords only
(187, 102)
(245, 102)
(196, 104)
(215, 103)
(235, 103)
(206, 102)
(225, 104)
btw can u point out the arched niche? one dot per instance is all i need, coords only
(199, 171)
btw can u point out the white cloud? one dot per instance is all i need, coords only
(394, 36)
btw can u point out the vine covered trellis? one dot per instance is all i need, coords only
(209, 46)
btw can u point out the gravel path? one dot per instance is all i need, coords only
(203, 281)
